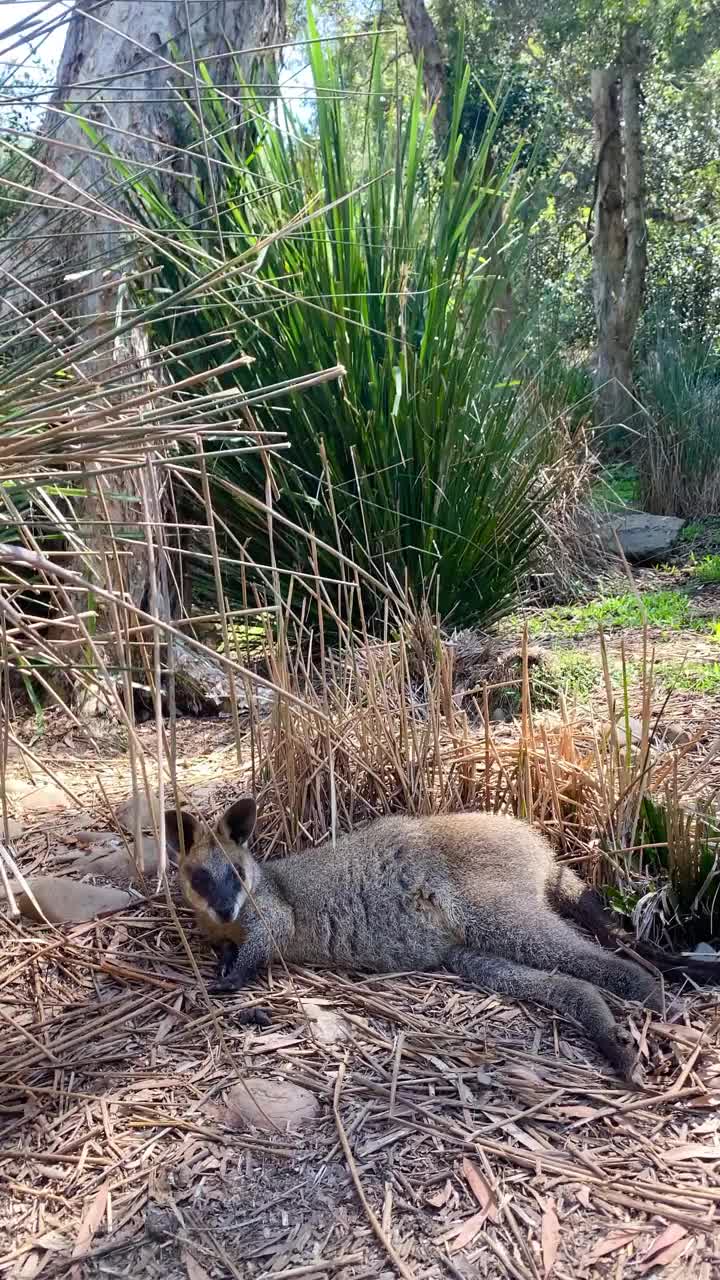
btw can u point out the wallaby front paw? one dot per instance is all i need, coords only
(255, 1017)
(225, 985)
(227, 960)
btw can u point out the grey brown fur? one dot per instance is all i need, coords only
(477, 894)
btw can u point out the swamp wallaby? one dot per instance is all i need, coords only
(478, 894)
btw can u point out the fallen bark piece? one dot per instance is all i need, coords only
(47, 799)
(112, 861)
(202, 685)
(146, 808)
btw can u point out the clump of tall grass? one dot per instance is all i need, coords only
(384, 725)
(679, 457)
(426, 463)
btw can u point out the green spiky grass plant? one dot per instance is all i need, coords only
(662, 851)
(425, 465)
(678, 463)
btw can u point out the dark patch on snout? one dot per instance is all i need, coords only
(219, 888)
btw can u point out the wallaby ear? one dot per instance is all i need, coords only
(238, 822)
(173, 825)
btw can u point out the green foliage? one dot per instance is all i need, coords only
(695, 677)
(425, 463)
(567, 672)
(680, 857)
(679, 463)
(664, 610)
(690, 532)
(617, 488)
(563, 386)
(552, 49)
(18, 120)
(707, 569)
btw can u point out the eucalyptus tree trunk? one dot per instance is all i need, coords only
(124, 69)
(424, 41)
(67, 259)
(619, 246)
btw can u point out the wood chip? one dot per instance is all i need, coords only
(481, 1189)
(550, 1236)
(91, 1222)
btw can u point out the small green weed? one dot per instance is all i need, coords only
(661, 609)
(680, 853)
(696, 677)
(568, 672)
(691, 531)
(707, 569)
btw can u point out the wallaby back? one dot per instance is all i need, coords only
(394, 894)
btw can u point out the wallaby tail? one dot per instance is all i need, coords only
(571, 897)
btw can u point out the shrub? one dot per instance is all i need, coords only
(363, 246)
(679, 462)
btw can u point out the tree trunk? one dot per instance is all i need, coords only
(619, 246)
(124, 69)
(424, 42)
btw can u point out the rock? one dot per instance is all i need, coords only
(676, 735)
(47, 799)
(111, 860)
(145, 805)
(14, 829)
(65, 901)
(642, 536)
(326, 1026)
(87, 839)
(270, 1104)
(202, 684)
(664, 735)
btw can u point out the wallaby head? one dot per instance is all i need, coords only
(217, 870)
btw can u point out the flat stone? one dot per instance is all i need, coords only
(643, 537)
(270, 1104)
(65, 901)
(326, 1026)
(47, 799)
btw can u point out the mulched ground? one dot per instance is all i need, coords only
(458, 1134)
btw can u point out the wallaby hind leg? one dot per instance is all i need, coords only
(572, 898)
(569, 996)
(529, 935)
